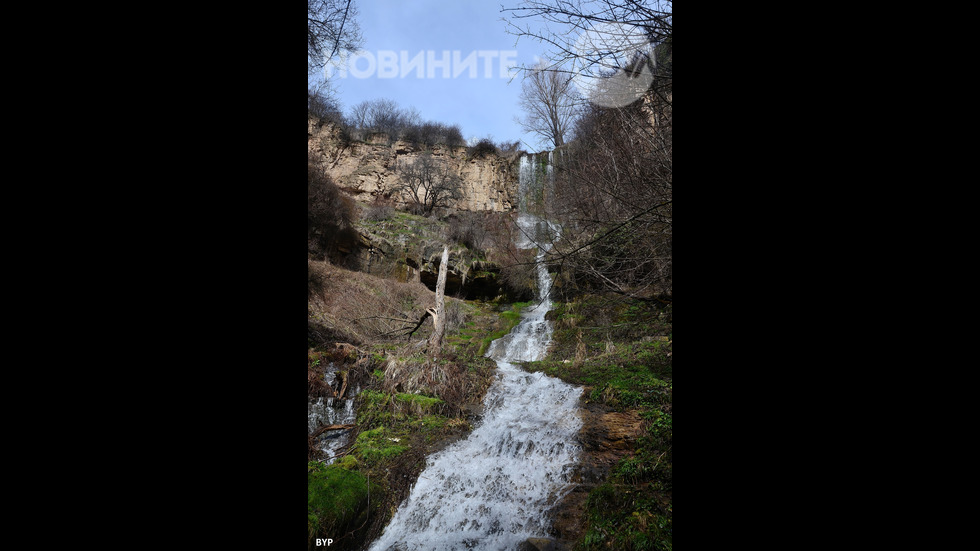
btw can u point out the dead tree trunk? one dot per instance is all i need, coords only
(439, 315)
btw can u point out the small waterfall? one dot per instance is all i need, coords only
(551, 170)
(494, 489)
(331, 411)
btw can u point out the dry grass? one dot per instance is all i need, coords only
(444, 378)
(363, 308)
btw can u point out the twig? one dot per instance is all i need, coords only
(658, 460)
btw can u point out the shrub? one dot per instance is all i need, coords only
(430, 133)
(508, 148)
(330, 213)
(454, 136)
(467, 228)
(381, 209)
(321, 104)
(483, 148)
(413, 135)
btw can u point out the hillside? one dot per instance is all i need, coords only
(407, 403)
(372, 272)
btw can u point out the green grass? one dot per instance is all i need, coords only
(633, 508)
(620, 517)
(635, 375)
(422, 403)
(402, 417)
(621, 352)
(380, 445)
(510, 318)
(338, 498)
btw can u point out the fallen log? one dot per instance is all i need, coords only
(347, 348)
(427, 313)
(322, 430)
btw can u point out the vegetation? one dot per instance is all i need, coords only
(330, 214)
(410, 403)
(482, 148)
(549, 102)
(332, 28)
(383, 116)
(611, 194)
(620, 351)
(338, 499)
(429, 182)
(613, 198)
(612, 187)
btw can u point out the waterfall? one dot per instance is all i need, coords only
(551, 169)
(526, 179)
(331, 411)
(535, 183)
(494, 489)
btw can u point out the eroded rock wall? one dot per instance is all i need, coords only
(368, 169)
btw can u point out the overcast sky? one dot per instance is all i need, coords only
(465, 87)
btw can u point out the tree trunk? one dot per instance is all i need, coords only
(439, 316)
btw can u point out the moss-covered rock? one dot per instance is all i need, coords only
(338, 501)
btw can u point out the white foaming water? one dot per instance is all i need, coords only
(330, 411)
(494, 489)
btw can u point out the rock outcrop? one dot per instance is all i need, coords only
(367, 169)
(409, 248)
(606, 436)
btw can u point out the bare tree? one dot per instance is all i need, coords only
(548, 100)
(321, 102)
(384, 116)
(430, 184)
(439, 313)
(613, 199)
(613, 196)
(592, 40)
(332, 29)
(358, 115)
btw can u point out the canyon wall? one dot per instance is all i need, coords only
(367, 169)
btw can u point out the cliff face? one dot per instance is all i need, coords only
(367, 170)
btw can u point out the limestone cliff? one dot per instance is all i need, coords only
(367, 170)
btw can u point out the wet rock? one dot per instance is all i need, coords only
(536, 544)
(473, 412)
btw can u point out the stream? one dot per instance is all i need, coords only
(494, 489)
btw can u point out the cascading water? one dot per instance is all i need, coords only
(526, 180)
(331, 411)
(536, 184)
(494, 489)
